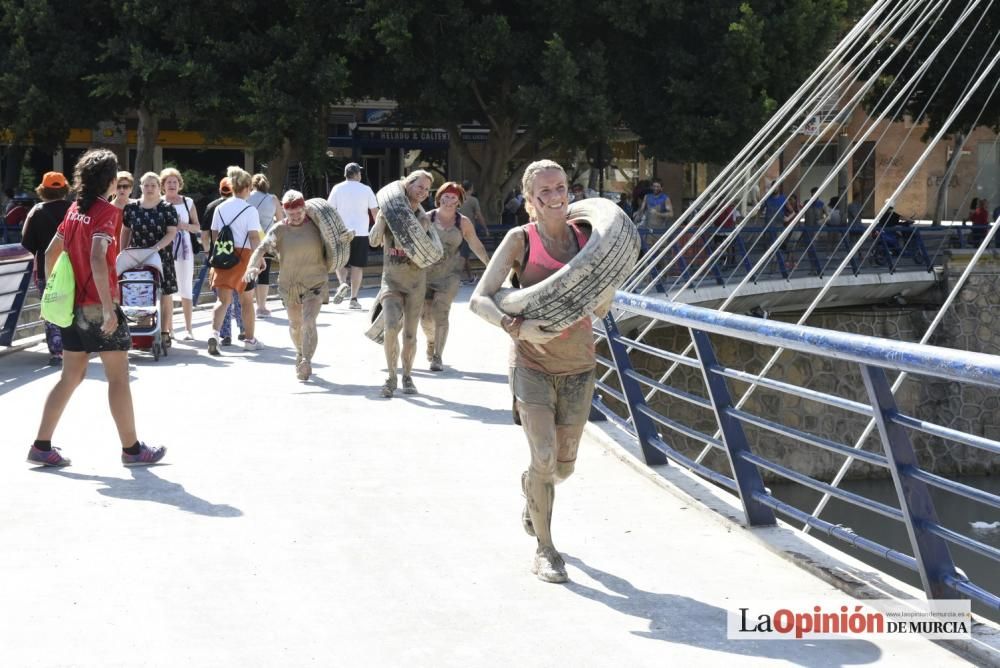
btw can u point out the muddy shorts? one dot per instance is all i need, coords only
(85, 335)
(568, 397)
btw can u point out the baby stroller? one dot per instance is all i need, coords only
(139, 273)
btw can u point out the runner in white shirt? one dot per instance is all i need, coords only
(354, 201)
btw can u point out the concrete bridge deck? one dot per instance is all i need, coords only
(317, 524)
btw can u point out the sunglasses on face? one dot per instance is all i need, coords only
(124, 186)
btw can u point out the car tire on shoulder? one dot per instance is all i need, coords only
(588, 279)
(336, 236)
(376, 322)
(423, 247)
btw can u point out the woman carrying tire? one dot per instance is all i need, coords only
(404, 282)
(552, 374)
(444, 277)
(299, 248)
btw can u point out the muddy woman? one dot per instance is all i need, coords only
(551, 375)
(298, 245)
(403, 286)
(444, 277)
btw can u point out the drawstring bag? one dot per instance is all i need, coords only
(60, 293)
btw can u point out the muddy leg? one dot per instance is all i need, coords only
(310, 311)
(427, 324)
(540, 428)
(441, 308)
(295, 328)
(412, 306)
(392, 310)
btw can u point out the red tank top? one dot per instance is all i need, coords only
(572, 351)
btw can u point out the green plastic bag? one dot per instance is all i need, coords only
(60, 293)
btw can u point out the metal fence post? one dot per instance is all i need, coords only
(933, 556)
(10, 316)
(747, 476)
(645, 430)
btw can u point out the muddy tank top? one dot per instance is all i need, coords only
(451, 239)
(573, 350)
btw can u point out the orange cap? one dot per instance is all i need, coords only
(54, 180)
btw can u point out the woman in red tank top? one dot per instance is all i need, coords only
(551, 374)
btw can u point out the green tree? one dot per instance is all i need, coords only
(693, 79)
(156, 59)
(535, 82)
(43, 93)
(289, 82)
(704, 76)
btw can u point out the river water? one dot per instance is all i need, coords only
(955, 513)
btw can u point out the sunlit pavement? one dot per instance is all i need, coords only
(316, 523)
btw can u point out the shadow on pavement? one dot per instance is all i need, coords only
(687, 621)
(144, 485)
(467, 411)
(315, 381)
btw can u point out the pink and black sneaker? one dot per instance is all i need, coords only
(146, 456)
(51, 457)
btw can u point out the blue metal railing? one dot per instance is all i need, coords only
(930, 542)
(807, 252)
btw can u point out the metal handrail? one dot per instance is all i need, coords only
(930, 542)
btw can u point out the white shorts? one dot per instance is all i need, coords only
(185, 278)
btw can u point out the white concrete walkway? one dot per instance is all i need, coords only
(318, 525)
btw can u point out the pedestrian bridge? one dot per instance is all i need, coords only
(298, 523)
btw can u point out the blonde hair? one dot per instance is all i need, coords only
(412, 177)
(532, 170)
(528, 181)
(239, 178)
(125, 176)
(170, 171)
(260, 183)
(150, 175)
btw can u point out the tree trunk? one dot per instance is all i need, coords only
(277, 167)
(949, 172)
(146, 133)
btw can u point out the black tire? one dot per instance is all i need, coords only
(422, 247)
(336, 236)
(587, 280)
(156, 352)
(376, 323)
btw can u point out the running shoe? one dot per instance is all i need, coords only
(213, 345)
(436, 364)
(252, 344)
(242, 336)
(389, 387)
(341, 293)
(146, 456)
(51, 457)
(549, 565)
(408, 386)
(355, 305)
(227, 341)
(55, 360)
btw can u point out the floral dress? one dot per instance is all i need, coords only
(148, 227)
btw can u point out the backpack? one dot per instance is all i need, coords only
(224, 255)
